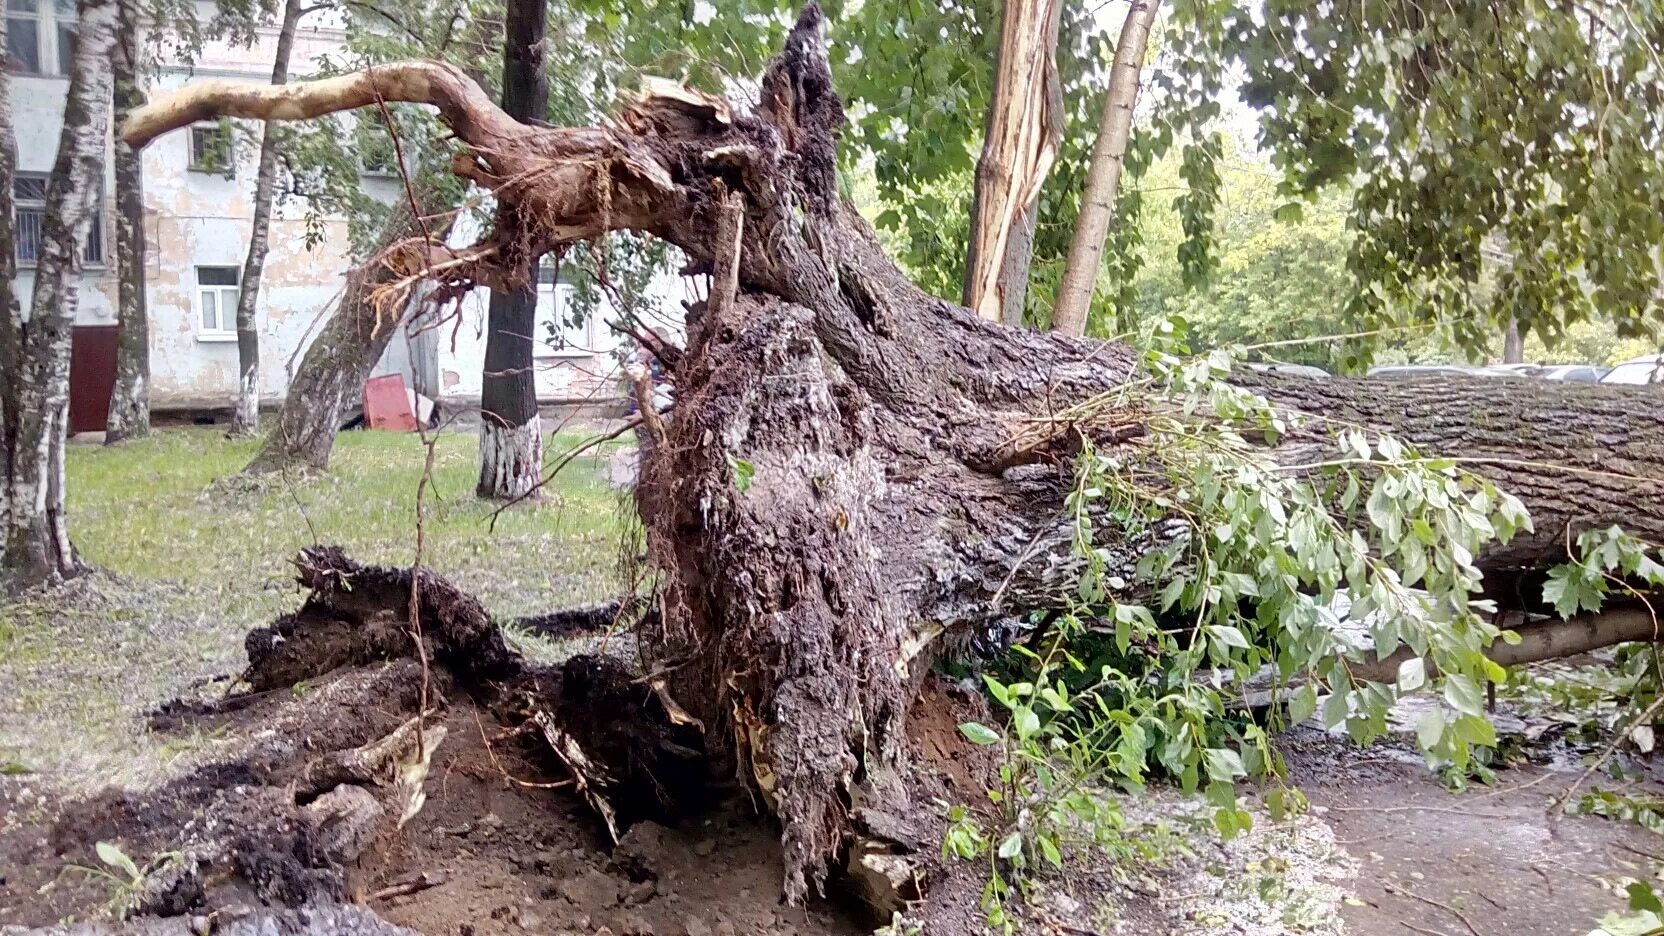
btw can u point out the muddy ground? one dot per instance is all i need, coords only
(493, 853)
(504, 845)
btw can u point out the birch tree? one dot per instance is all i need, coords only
(246, 419)
(38, 547)
(11, 316)
(1080, 274)
(129, 415)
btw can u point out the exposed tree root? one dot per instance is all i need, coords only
(853, 467)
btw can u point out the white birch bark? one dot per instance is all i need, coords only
(38, 547)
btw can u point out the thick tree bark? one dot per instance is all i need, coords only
(245, 420)
(37, 546)
(1024, 128)
(130, 397)
(511, 435)
(332, 372)
(1103, 179)
(11, 313)
(838, 482)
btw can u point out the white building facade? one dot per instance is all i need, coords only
(199, 194)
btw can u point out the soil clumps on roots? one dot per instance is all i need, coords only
(529, 798)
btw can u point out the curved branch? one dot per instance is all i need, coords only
(462, 103)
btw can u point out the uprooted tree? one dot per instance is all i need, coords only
(854, 467)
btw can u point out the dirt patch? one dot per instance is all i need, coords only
(502, 853)
(1495, 858)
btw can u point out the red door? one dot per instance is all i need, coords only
(92, 375)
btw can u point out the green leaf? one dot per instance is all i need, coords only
(1464, 695)
(1302, 704)
(1334, 709)
(1412, 674)
(1291, 213)
(1642, 898)
(1011, 846)
(1026, 722)
(1430, 728)
(1048, 849)
(1571, 587)
(744, 471)
(1223, 764)
(116, 858)
(979, 733)
(1229, 636)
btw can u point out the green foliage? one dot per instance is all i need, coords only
(1049, 802)
(1645, 916)
(1276, 277)
(125, 877)
(1606, 559)
(1514, 137)
(1245, 562)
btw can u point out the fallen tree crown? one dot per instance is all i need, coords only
(905, 462)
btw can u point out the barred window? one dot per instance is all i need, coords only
(29, 197)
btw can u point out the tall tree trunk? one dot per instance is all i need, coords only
(333, 370)
(246, 420)
(1024, 128)
(37, 542)
(1513, 344)
(838, 483)
(511, 435)
(11, 313)
(130, 397)
(1103, 179)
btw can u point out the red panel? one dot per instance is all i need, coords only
(92, 376)
(386, 406)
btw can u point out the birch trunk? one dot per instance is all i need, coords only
(1097, 208)
(246, 420)
(38, 549)
(1025, 126)
(511, 436)
(129, 416)
(1513, 344)
(11, 315)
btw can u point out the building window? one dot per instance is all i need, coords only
(29, 200)
(40, 36)
(216, 302)
(376, 155)
(561, 332)
(211, 149)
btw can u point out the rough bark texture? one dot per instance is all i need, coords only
(130, 397)
(245, 421)
(1024, 128)
(332, 372)
(511, 437)
(1103, 179)
(838, 482)
(37, 545)
(11, 314)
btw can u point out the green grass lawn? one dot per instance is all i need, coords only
(189, 563)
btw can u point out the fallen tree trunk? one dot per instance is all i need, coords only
(332, 372)
(837, 482)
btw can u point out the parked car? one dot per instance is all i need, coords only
(1292, 370)
(1641, 370)
(1437, 370)
(1580, 373)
